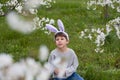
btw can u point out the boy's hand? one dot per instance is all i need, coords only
(56, 71)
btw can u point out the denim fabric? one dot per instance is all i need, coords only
(74, 76)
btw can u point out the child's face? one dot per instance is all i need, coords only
(61, 42)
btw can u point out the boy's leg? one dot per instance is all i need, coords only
(75, 76)
(58, 79)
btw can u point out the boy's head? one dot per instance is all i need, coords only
(62, 34)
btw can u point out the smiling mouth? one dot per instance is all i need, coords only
(59, 44)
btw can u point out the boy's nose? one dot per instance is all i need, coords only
(59, 41)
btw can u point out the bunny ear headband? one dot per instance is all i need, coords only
(55, 30)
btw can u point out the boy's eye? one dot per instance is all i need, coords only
(57, 39)
(62, 39)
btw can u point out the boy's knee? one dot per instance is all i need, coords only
(75, 76)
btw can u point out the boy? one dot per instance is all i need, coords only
(62, 50)
(68, 55)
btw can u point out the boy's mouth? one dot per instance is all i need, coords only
(59, 44)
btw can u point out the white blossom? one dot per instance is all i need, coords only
(43, 75)
(117, 31)
(12, 2)
(43, 53)
(115, 23)
(30, 4)
(99, 50)
(18, 24)
(33, 11)
(1, 5)
(118, 9)
(108, 29)
(47, 20)
(19, 8)
(51, 21)
(93, 30)
(82, 34)
(32, 66)
(111, 3)
(90, 37)
(5, 60)
(49, 67)
(61, 64)
(16, 71)
(96, 35)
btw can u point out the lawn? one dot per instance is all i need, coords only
(76, 17)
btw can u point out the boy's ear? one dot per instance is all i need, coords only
(67, 41)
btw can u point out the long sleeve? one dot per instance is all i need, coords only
(72, 68)
(71, 62)
(50, 60)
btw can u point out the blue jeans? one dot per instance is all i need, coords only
(74, 76)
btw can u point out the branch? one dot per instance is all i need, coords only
(9, 9)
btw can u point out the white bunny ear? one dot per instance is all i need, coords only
(51, 28)
(60, 25)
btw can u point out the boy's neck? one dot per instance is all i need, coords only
(63, 49)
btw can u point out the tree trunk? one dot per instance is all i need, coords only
(106, 14)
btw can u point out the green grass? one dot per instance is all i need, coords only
(76, 17)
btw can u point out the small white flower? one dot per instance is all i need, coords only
(47, 20)
(33, 67)
(43, 75)
(61, 64)
(85, 30)
(51, 21)
(98, 30)
(16, 71)
(5, 60)
(18, 24)
(82, 34)
(90, 37)
(43, 19)
(118, 9)
(102, 50)
(93, 30)
(30, 4)
(1, 5)
(62, 69)
(108, 29)
(19, 8)
(97, 50)
(29, 76)
(33, 11)
(43, 53)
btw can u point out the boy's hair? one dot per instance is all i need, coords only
(62, 34)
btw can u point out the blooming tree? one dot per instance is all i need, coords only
(29, 69)
(94, 4)
(23, 13)
(98, 35)
(23, 6)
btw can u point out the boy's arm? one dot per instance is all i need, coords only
(50, 60)
(73, 67)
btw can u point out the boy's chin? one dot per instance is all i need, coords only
(60, 47)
